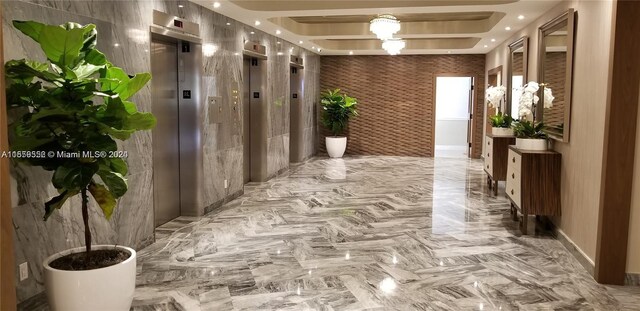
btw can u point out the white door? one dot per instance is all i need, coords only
(453, 104)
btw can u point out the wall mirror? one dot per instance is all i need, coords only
(516, 74)
(555, 67)
(494, 79)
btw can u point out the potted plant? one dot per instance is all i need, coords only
(73, 107)
(530, 135)
(501, 124)
(337, 109)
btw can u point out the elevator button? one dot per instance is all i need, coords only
(186, 94)
(256, 94)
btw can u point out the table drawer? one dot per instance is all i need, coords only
(514, 161)
(514, 190)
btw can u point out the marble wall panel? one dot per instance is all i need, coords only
(124, 37)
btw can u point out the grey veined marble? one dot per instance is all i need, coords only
(367, 233)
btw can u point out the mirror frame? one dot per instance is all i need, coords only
(524, 43)
(549, 27)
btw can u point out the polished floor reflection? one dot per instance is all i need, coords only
(366, 233)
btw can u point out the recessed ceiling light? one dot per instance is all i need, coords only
(236, 53)
(486, 46)
(507, 28)
(300, 42)
(280, 53)
(278, 42)
(520, 17)
(180, 6)
(313, 47)
(253, 32)
(493, 40)
(350, 52)
(278, 32)
(257, 23)
(319, 50)
(228, 24)
(216, 4)
(117, 45)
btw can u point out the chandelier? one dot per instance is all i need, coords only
(393, 46)
(384, 26)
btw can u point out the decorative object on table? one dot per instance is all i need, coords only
(530, 135)
(76, 103)
(337, 109)
(500, 123)
(533, 183)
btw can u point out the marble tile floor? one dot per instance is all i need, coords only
(365, 233)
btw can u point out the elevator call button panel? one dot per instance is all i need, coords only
(256, 94)
(186, 94)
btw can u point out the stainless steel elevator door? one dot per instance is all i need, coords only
(166, 143)
(246, 116)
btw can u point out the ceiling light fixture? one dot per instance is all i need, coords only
(180, 6)
(253, 32)
(300, 42)
(384, 26)
(507, 28)
(216, 5)
(228, 24)
(350, 52)
(257, 23)
(520, 17)
(486, 46)
(393, 46)
(493, 40)
(278, 32)
(319, 50)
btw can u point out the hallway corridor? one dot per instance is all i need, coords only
(366, 233)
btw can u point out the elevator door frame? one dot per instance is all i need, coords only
(257, 116)
(190, 114)
(296, 113)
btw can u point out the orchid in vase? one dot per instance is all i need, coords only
(529, 133)
(495, 95)
(500, 123)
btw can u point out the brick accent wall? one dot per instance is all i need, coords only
(397, 101)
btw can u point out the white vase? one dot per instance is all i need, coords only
(502, 131)
(109, 289)
(534, 144)
(336, 146)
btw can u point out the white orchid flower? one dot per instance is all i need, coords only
(548, 98)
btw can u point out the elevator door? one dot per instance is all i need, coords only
(166, 143)
(246, 115)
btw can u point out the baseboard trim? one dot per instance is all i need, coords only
(224, 201)
(577, 253)
(632, 279)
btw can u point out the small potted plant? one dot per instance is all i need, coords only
(501, 124)
(72, 108)
(530, 135)
(337, 109)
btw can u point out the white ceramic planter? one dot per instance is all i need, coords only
(531, 144)
(336, 146)
(502, 131)
(109, 289)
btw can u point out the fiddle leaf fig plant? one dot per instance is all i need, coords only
(337, 109)
(72, 109)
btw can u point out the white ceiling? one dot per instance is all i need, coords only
(435, 27)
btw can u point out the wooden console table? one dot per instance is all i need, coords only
(495, 159)
(533, 183)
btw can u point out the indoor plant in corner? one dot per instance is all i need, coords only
(71, 109)
(530, 135)
(337, 109)
(500, 123)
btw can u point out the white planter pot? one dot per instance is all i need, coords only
(502, 131)
(531, 144)
(336, 146)
(109, 289)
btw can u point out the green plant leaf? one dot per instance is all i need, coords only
(73, 175)
(140, 121)
(57, 202)
(115, 181)
(118, 165)
(121, 83)
(105, 199)
(61, 46)
(26, 70)
(29, 28)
